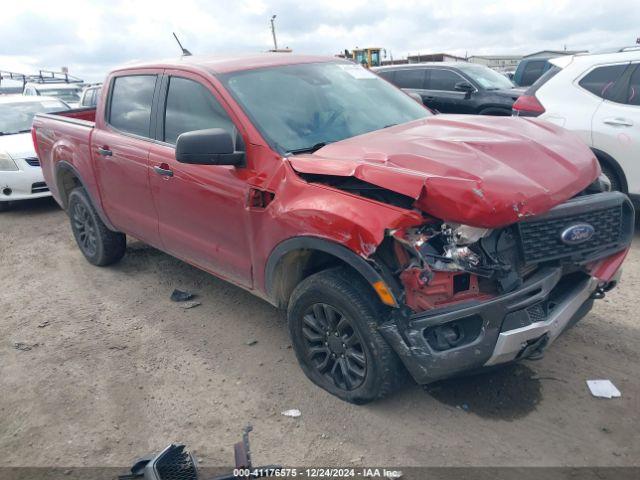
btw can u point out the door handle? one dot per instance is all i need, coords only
(104, 151)
(618, 122)
(165, 172)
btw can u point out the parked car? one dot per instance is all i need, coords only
(396, 239)
(90, 96)
(596, 96)
(455, 87)
(67, 92)
(530, 69)
(20, 172)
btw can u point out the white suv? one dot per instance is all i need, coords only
(598, 97)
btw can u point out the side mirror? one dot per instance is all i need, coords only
(213, 146)
(415, 96)
(465, 87)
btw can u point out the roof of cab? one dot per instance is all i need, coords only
(232, 63)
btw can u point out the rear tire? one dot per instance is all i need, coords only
(98, 244)
(333, 317)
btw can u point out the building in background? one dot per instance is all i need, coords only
(500, 63)
(425, 57)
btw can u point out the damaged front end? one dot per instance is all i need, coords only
(474, 297)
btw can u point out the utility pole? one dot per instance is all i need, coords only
(273, 32)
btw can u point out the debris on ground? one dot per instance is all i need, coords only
(118, 347)
(43, 324)
(181, 296)
(251, 342)
(187, 305)
(23, 346)
(603, 389)
(294, 413)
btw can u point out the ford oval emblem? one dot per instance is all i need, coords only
(578, 233)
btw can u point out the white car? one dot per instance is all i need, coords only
(20, 172)
(598, 97)
(90, 96)
(67, 92)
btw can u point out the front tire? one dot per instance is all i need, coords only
(333, 318)
(98, 244)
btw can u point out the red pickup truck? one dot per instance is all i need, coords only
(397, 240)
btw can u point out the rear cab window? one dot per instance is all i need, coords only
(130, 104)
(532, 71)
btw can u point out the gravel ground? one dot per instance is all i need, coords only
(98, 367)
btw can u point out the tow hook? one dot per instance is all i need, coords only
(599, 293)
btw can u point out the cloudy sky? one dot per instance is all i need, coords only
(92, 36)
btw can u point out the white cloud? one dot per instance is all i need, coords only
(92, 36)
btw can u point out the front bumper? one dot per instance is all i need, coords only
(500, 330)
(22, 184)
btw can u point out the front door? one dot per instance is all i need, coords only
(201, 208)
(121, 156)
(440, 85)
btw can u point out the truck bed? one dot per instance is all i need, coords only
(87, 114)
(65, 137)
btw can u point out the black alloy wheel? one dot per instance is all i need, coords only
(334, 347)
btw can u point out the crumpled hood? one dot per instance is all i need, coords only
(481, 171)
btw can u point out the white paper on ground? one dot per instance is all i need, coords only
(294, 412)
(603, 389)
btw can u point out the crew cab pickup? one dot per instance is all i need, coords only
(397, 240)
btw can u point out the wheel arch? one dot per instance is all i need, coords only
(67, 178)
(604, 157)
(294, 259)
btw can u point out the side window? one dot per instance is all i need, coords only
(532, 71)
(406, 78)
(131, 98)
(190, 106)
(387, 75)
(91, 97)
(633, 92)
(443, 80)
(601, 81)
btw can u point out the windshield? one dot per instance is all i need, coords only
(303, 107)
(486, 78)
(17, 117)
(66, 94)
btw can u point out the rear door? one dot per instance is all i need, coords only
(616, 122)
(121, 155)
(201, 208)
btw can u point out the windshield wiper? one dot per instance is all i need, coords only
(316, 147)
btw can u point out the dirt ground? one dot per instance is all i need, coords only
(98, 367)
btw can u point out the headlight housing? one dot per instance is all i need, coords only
(6, 163)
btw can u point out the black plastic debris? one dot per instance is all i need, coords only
(180, 296)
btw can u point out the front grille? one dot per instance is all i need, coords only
(609, 214)
(176, 464)
(39, 187)
(537, 312)
(33, 161)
